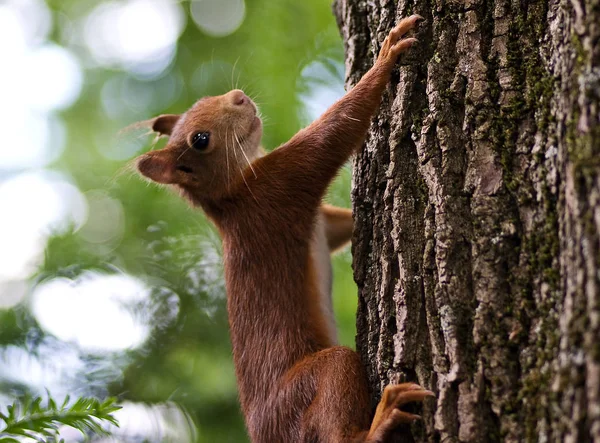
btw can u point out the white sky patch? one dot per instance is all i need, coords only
(137, 35)
(48, 369)
(321, 85)
(33, 206)
(40, 79)
(94, 311)
(218, 18)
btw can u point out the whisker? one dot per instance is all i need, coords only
(181, 155)
(244, 153)
(155, 141)
(223, 79)
(253, 94)
(248, 186)
(244, 176)
(227, 158)
(233, 72)
(237, 80)
(266, 121)
(127, 168)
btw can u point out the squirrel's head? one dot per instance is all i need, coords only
(209, 148)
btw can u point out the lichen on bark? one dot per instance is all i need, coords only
(477, 215)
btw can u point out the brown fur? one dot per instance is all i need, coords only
(294, 385)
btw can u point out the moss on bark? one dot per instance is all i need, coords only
(477, 213)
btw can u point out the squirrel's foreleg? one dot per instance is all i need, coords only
(305, 165)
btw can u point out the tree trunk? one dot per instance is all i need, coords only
(477, 216)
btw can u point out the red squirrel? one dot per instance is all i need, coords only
(295, 383)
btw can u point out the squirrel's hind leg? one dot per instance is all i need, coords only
(338, 226)
(340, 411)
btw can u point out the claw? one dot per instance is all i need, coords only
(403, 27)
(404, 44)
(410, 396)
(388, 415)
(406, 416)
(394, 44)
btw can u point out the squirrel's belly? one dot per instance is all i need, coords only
(319, 250)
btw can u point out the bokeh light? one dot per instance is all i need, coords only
(75, 311)
(26, 23)
(137, 35)
(52, 367)
(106, 222)
(35, 205)
(54, 78)
(321, 84)
(218, 18)
(39, 79)
(161, 423)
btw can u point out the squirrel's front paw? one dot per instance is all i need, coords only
(388, 415)
(394, 44)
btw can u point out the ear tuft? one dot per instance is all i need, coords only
(163, 124)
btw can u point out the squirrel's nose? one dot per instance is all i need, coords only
(238, 97)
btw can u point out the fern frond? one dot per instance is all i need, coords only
(28, 418)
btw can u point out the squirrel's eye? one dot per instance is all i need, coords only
(200, 140)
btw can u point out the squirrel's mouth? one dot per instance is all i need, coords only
(185, 169)
(253, 127)
(255, 124)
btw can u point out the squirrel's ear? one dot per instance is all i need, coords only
(156, 166)
(164, 124)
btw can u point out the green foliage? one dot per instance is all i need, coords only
(29, 418)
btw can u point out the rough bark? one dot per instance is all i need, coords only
(477, 216)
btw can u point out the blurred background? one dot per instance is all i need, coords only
(110, 285)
